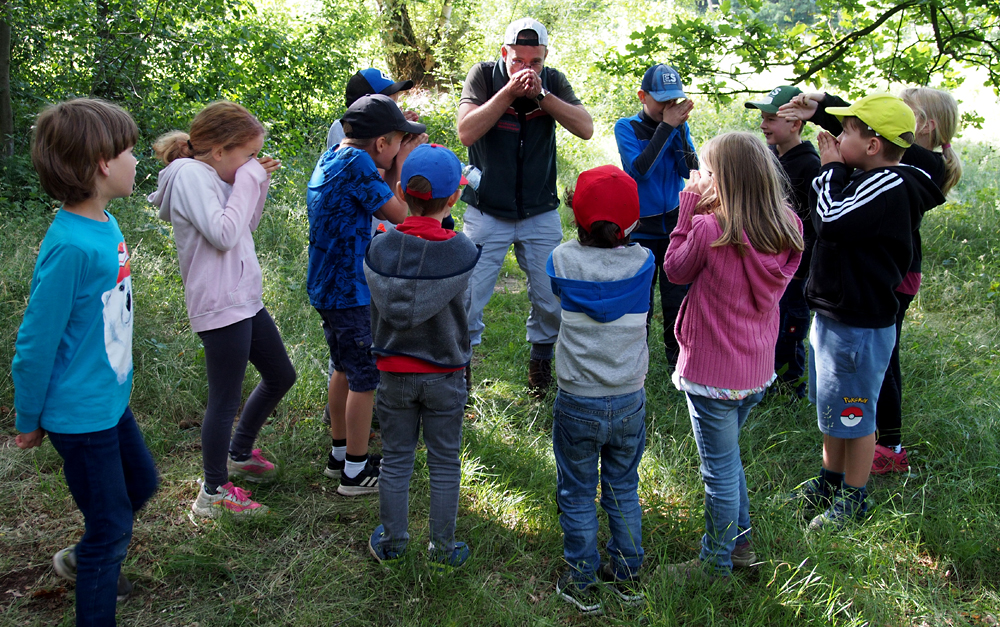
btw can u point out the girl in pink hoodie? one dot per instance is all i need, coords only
(212, 192)
(738, 243)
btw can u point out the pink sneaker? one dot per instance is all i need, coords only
(227, 499)
(256, 469)
(887, 460)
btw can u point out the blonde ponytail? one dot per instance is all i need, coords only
(941, 107)
(171, 146)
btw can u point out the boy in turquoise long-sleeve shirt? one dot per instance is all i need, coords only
(72, 366)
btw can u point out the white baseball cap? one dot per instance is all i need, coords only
(513, 35)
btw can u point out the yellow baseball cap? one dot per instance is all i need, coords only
(885, 114)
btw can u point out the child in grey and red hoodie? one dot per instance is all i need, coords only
(212, 192)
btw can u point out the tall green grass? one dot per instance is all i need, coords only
(928, 555)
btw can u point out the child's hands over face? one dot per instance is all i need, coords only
(801, 107)
(406, 146)
(411, 116)
(829, 148)
(269, 163)
(699, 183)
(677, 113)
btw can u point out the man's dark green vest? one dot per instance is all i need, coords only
(517, 156)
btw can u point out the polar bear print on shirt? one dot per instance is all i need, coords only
(118, 313)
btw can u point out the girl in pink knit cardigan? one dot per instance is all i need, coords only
(737, 243)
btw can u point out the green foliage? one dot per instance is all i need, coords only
(787, 13)
(165, 61)
(861, 44)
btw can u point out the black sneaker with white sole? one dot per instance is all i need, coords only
(626, 589)
(584, 597)
(365, 483)
(335, 468)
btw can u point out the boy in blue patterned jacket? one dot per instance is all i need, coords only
(345, 191)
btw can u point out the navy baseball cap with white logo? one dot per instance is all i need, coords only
(438, 165)
(372, 81)
(663, 83)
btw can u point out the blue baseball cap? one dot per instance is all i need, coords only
(438, 165)
(372, 81)
(663, 83)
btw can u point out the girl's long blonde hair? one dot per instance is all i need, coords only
(752, 195)
(940, 106)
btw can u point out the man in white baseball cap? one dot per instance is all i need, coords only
(507, 117)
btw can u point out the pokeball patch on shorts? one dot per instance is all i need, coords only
(851, 416)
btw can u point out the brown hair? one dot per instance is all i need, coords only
(69, 140)
(752, 195)
(891, 151)
(940, 106)
(220, 124)
(367, 142)
(603, 234)
(419, 206)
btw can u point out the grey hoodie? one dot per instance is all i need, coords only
(420, 300)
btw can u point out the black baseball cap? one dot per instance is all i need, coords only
(372, 81)
(376, 115)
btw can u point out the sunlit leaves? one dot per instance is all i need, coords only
(852, 45)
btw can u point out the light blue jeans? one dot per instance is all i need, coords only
(716, 425)
(608, 434)
(407, 402)
(534, 239)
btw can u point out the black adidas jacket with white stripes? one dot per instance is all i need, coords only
(864, 241)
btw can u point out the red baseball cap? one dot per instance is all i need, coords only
(606, 193)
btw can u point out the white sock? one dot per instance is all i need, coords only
(339, 452)
(351, 469)
(897, 449)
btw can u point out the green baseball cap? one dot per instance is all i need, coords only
(885, 114)
(774, 99)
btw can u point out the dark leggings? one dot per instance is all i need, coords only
(889, 410)
(671, 295)
(227, 351)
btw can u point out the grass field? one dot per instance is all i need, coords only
(928, 555)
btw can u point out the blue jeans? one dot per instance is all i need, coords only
(608, 433)
(110, 475)
(846, 368)
(405, 402)
(716, 425)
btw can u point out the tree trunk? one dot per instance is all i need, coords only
(6, 107)
(403, 52)
(103, 84)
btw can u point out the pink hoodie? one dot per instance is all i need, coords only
(728, 322)
(212, 223)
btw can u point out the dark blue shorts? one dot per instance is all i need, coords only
(349, 335)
